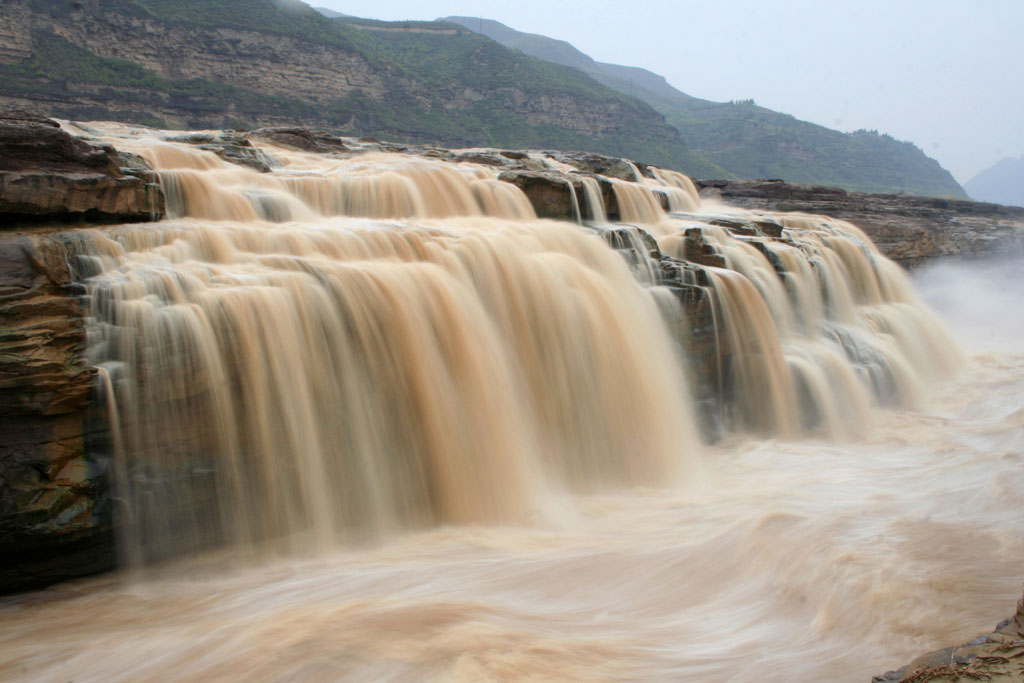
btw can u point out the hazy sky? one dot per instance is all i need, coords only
(946, 75)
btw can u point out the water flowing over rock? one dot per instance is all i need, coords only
(995, 656)
(329, 338)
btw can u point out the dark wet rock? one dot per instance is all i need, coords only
(701, 350)
(908, 229)
(485, 159)
(43, 332)
(302, 139)
(698, 250)
(31, 141)
(231, 146)
(552, 194)
(436, 153)
(48, 174)
(54, 522)
(197, 138)
(94, 197)
(762, 227)
(769, 227)
(691, 325)
(135, 165)
(598, 164)
(501, 158)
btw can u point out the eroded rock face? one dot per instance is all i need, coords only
(54, 521)
(48, 174)
(553, 195)
(301, 139)
(910, 230)
(231, 146)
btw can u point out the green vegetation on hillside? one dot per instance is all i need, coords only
(755, 142)
(442, 83)
(57, 67)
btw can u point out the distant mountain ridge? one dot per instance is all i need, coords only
(1002, 183)
(252, 63)
(745, 139)
(329, 13)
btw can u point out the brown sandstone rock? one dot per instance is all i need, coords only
(613, 167)
(48, 174)
(550, 193)
(301, 139)
(231, 146)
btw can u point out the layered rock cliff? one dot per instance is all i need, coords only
(48, 174)
(54, 509)
(54, 505)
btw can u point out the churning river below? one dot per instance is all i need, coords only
(783, 560)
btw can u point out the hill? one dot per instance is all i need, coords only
(747, 140)
(250, 63)
(1003, 183)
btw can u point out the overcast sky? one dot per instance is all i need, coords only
(946, 75)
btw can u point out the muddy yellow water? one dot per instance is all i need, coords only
(372, 420)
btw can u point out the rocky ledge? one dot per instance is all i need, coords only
(910, 230)
(995, 656)
(48, 174)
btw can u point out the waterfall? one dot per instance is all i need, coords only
(592, 191)
(353, 345)
(637, 204)
(370, 419)
(315, 377)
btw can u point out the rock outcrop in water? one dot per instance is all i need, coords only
(908, 229)
(54, 502)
